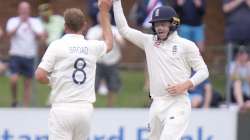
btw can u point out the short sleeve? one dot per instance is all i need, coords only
(101, 48)
(49, 58)
(37, 26)
(11, 24)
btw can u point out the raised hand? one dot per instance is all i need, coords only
(104, 5)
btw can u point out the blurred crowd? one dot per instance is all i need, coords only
(30, 36)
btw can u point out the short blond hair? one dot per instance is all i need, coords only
(74, 19)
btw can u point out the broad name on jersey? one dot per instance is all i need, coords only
(78, 50)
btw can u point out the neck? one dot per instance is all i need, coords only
(73, 32)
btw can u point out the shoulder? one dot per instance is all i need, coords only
(55, 44)
(188, 44)
(95, 46)
(13, 19)
(185, 41)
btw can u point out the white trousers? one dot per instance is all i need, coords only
(70, 121)
(169, 117)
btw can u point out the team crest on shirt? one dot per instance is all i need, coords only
(174, 49)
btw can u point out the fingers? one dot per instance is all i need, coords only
(171, 89)
(105, 4)
(174, 90)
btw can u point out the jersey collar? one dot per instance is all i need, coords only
(73, 35)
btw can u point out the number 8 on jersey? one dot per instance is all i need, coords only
(79, 75)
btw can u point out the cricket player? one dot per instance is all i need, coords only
(170, 59)
(69, 66)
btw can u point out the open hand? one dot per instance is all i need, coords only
(104, 5)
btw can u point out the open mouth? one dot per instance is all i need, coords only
(161, 33)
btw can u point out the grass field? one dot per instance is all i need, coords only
(131, 95)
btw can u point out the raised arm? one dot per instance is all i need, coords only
(104, 7)
(134, 36)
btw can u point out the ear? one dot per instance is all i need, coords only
(84, 27)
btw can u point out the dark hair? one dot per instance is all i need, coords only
(74, 19)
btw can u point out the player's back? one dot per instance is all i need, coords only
(73, 73)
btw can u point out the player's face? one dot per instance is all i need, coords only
(162, 29)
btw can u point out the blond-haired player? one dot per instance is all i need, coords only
(69, 66)
(170, 59)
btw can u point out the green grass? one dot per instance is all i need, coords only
(131, 94)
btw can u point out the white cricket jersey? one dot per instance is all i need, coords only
(24, 42)
(71, 62)
(114, 56)
(169, 62)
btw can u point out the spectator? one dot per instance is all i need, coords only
(240, 75)
(107, 66)
(24, 32)
(191, 13)
(237, 29)
(201, 95)
(3, 66)
(53, 24)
